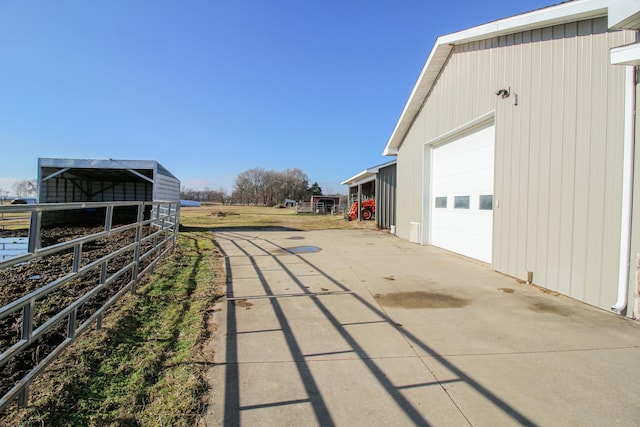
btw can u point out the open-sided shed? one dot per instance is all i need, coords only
(379, 183)
(88, 180)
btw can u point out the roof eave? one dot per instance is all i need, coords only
(367, 174)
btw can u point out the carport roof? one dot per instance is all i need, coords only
(569, 11)
(104, 168)
(366, 175)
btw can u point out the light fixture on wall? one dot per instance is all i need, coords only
(504, 93)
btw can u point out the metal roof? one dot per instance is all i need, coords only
(108, 169)
(366, 175)
(561, 13)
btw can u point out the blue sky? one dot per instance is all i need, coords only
(211, 88)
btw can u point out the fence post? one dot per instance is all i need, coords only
(136, 251)
(23, 397)
(108, 220)
(71, 326)
(27, 321)
(77, 254)
(34, 232)
(176, 224)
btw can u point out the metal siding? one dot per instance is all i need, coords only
(534, 104)
(521, 131)
(558, 153)
(554, 201)
(386, 188)
(596, 257)
(581, 191)
(497, 65)
(512, 169)
(567, 183)
(166, 188)
(544, 165)
(410, 181)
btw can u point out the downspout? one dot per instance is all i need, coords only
(627, 189)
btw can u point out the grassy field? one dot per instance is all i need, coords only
(145, 366)
(222, 216)
(14, 220)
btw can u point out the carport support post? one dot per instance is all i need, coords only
(359, 201)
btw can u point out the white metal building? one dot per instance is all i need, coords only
(516, 148)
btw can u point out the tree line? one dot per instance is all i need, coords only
(25, 188)
(258, 186)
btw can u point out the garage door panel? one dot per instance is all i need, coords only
(464, 167)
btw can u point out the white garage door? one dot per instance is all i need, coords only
(462, 194)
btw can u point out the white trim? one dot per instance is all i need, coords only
(627, 190)
(541, 18)
(485, 119)
(626, 55)
(390, 151)
(370, 173)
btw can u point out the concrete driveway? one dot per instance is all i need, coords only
(360, 328)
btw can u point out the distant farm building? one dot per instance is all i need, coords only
(320, 205)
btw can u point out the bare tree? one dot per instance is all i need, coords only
(207, 195)
(26, 188)
(296, 183)
(273, 188)
(270, 187)
(250, 185)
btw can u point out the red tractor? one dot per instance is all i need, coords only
(366, 213)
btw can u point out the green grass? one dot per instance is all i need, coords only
(145, 366)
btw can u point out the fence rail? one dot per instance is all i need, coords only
(141, 239)
(12, 220)
(317, 208)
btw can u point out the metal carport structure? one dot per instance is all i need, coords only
(379, 183)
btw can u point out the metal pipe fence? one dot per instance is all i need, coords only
(95, 279)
